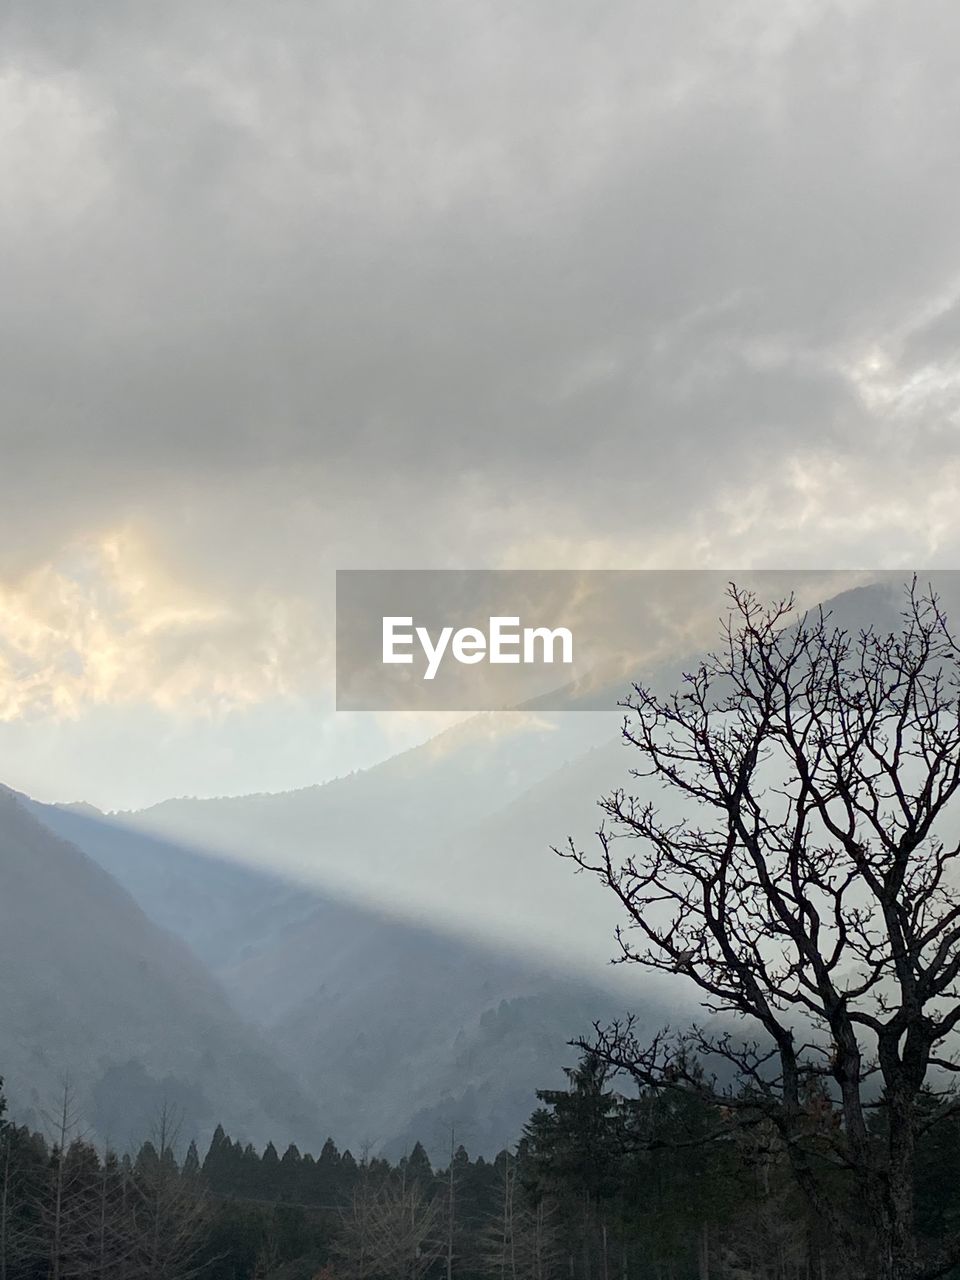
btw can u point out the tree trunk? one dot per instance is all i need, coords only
(703, 1254)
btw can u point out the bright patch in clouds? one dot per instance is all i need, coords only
(105, 624)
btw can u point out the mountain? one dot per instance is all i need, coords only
(431, 835)
(404, 938)
(384, 835)
(92, 990)
(398, 1029)
(385, 1004)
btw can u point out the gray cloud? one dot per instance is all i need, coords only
(297, 285)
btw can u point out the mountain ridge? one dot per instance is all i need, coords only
(89, 985)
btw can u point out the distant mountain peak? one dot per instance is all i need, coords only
(80, 806)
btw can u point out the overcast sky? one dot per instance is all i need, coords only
(296, 285)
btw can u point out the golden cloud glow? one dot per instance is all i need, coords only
(106, 624)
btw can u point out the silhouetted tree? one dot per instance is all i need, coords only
(807, 883)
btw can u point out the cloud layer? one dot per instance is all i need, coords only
(303, 285)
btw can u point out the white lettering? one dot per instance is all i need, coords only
(498, 638)
(433, 652)
(508, 643)
(469, 645)
(391, 640)
(532, 634)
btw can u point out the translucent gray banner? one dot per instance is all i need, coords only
(473, 640)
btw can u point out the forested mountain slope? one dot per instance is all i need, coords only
(382, 1020)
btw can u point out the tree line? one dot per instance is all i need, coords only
(601, 1185)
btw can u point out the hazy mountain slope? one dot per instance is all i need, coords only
(91, 988)
(375, 834)
(508, 1021)
(218, 907)
(386, 1021)
(391, 1009)
(382, 1020)
(394, 835)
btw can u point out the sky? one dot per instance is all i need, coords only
(310, 285)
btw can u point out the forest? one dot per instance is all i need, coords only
(600, 1186)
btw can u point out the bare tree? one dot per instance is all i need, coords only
(522, 1240)
(808, 885)
(499, 1244)
(543, 1249)
(63, 1201)
(392, 1230)
(114, 1243)
(451, 1210)
(169, 1209)
(354, 1244)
